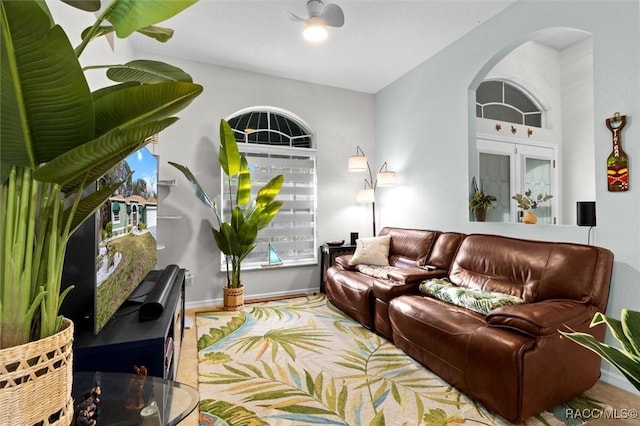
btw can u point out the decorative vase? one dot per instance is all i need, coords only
(480, 214)
(529, 218)
(36, 380)
(233, 298)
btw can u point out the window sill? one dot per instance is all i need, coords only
(287, 264)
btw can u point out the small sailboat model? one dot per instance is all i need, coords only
(273, 258)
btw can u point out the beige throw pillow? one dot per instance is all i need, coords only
(372, 251)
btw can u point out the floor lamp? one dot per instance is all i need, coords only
(384, 177)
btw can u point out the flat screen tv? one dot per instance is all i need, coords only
(111, 253)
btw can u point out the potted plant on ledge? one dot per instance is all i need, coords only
(57, 137)
(528, 203)
(237, 237)
(479, 201)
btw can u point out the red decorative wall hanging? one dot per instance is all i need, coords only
(618, 162)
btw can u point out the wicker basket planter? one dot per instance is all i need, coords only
(233, 298)
(36, 379)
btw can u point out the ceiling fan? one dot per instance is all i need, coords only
(320, 16)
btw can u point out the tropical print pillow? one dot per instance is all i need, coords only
(480, 301)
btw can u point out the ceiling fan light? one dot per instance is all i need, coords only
(315, 31)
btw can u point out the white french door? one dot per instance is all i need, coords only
(506, 168)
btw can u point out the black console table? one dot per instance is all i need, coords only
(145, 332)
(328, 254)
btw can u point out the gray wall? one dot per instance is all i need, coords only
(422, 127)
(341, 120)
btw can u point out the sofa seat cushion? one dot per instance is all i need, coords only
(375, 271)
(481, 301)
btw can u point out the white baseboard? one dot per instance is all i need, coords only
(274, 295)
(616, 379)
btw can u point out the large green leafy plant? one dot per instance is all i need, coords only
(627, 332)
(58, 137)
(237, 237)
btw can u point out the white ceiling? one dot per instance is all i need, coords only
(379, 42)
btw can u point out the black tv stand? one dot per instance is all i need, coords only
(126, 341)
(142, 291)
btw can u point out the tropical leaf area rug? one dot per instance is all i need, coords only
(303, 362)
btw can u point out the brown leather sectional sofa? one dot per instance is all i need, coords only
(513, 360)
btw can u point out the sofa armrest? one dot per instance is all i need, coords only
(543, 318)
(415, 274)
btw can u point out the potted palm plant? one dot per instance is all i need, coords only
(626, 358)
(57, 137)
(479, 201)
(236, 238)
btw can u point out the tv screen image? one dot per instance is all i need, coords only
(111, 253)
(127, 232)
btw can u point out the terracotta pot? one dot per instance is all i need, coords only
(480, 214)
(529, 218)
(36, 379)
(233, 298)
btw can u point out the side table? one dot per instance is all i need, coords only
(124, 396)
(328, 256)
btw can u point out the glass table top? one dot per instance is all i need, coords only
(128, 399)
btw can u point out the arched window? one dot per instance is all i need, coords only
(271, 127)
(500, 100)
(275, 142)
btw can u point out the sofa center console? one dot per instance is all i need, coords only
(146, 331)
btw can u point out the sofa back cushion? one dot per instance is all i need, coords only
(444, 249)
(578, 272)
(409, 247)
(533, 270)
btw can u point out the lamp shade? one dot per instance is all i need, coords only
(365, 196)
(358, 163)
(386, 178)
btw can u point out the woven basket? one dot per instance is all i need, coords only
(35, 381)
(233, 298)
